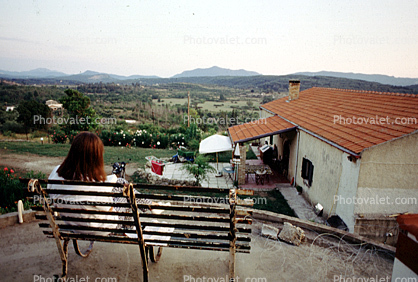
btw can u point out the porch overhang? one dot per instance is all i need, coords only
(258, 129)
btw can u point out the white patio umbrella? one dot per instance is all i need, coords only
(215, 144)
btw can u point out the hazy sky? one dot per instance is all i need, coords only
(167, 37)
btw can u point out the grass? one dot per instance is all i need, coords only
(111, 155)
(274, 202)
(50, 150)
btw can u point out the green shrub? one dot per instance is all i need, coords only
(193, 144)
(11, 190)
(12, 126)
(199, 169)
(177, 140)
(72, 135)
(160, 141)
(142, 138)
(9, 134)
(58, 136)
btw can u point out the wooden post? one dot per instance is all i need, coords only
(232, 233)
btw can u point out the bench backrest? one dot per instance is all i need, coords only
(180, 216)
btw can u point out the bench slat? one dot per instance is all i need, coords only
(224, 237)
(181, 198)
(157, 224)
(137, 186)
(172, 243)
(194, 209)
(167, 216)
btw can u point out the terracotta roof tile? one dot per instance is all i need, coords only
(352, 119)
(263, 127)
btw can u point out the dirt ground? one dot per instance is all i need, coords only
(27, 255)
(26, 162)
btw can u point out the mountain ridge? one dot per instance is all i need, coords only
(214, 71)
(380, 78)
(211, 75)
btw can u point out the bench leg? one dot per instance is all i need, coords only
(64, 258)
(81, 253)
(151, 253)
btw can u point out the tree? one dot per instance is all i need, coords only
(199, 168)
(78, 107)
(33, 115)
(266, 99)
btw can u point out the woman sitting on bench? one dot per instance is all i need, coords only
(84, 162)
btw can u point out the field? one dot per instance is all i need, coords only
(112, 154)
(211, 106)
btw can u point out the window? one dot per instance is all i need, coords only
(307, 171)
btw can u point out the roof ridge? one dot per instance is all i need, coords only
(370, 92)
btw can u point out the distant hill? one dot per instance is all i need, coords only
(215, 71)
(51, 76)
(268, 83)
(36, 73)
(94, 77)
(384, 79)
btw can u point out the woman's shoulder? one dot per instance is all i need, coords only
(54, 174)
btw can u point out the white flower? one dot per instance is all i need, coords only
(150, 135)
(119, 143)
(134, 139)
(182, 143)
(158, 143)
(142, 142)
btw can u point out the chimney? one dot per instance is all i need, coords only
(294, 87)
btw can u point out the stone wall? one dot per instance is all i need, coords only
(241, 166)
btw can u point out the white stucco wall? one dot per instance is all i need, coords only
(327, 170)
(343, 201)
(388, 178)
(265, 114)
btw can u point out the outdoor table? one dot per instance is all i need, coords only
(252, 169)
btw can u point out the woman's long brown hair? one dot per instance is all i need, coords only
(85, 159)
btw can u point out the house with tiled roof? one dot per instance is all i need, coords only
(354, 152)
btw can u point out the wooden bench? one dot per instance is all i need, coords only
(181, 217)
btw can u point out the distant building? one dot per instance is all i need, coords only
(354, 152)
(10, 108)
(56, 108)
